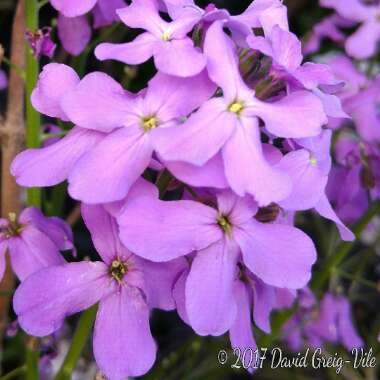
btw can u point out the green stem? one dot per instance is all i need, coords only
(33, 119)
(32, 357)
(321, 277)
(15, 373)
(81, 335)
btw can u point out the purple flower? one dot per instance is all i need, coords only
(253, 298)
(73, 8)
(174, 53)
(220, 237)
(363, 43)
(232, 122)
(74, 33)
(125, 286)
(116, 131)
(285, 50)
(356, 174)
(3, 80)
(33, 241)
(40, 42)
(309, 167)
(331, 322)
(328, 28)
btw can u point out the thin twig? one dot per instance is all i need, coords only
(12, 141)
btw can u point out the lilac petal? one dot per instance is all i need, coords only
(179, 295)
(104, 231)
(323, 207)
(179, 57)
(238, 209)
(31, 251)
(115, 163)
(286, 47)
(200, 138)
(346, 330)
(286, 118)
(143, 14)
(354, 10)
(159, 280)
(73, 8)
(222, 61)
(46, 297)
(367, 120)
(311, 75)
(209, 288)
(241, 334)
(363, 43)
(264, 298)
(211, 174)
(172, 97)
(180, 227)
(263, 181)
(54, 82)
(123, 343)
(55, 228)
(105, 12)
(326, 324)
(284, 262)
(52, 165)
(3, 80)
(3, 250)
(74, 33)
(309, 182)
(98, 102)
(261, 44)
(133, 53)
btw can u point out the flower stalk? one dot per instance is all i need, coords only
(78, 342)
(33, 118)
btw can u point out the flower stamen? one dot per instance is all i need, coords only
(236, 107)
(118, 270)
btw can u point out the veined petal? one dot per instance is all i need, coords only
(54, 82)
(106, 173)
(132, 53)
(200, 138)
(284, 262)
(323, 208)
(170, 97)
(246, 169)
(52, 165)
(241, 334)
(286, 117)
(74, 33)
(73, 8)
(179, 57)
(98, 102)
(104, 231)
(210, 289)
(162, 231)
(123, 343)
(46, 297)
(143, 14)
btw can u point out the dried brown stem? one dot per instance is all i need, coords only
(12, 140)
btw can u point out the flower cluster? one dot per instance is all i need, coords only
(191, 186)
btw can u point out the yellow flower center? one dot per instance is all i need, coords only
(313, 160)
(224, 224)
(117, 270)
(166, 35)
(148, 123)
(236, 107)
